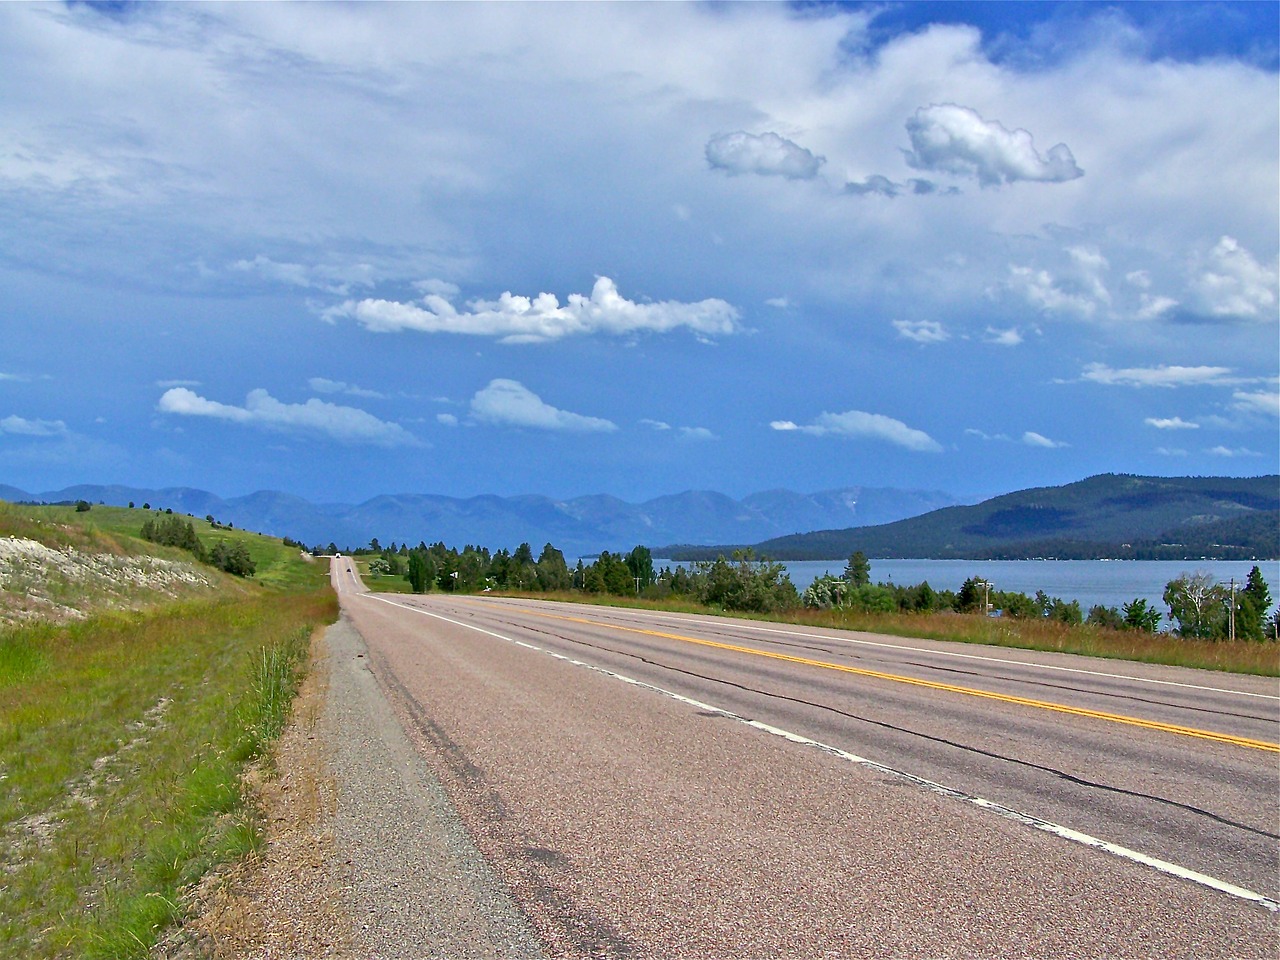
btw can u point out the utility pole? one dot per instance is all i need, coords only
(1233, 609)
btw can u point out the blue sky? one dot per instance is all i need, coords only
(636, 249)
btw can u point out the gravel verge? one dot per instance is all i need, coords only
(364, 855)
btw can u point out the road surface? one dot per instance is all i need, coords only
(653, 784)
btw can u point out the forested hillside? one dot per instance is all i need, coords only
(1116, 516)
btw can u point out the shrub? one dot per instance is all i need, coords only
(233, 558)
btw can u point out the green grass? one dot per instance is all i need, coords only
(124, 738)
(121, 751)
(380, 584)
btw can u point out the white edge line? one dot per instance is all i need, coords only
(1057, 830)
(974, 656)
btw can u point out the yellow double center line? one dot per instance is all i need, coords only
(948, 687)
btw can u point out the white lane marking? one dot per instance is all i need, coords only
(965, 656)
(1057, 830)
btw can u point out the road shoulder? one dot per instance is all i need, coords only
(364, 856)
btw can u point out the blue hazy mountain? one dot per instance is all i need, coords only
(577, 526)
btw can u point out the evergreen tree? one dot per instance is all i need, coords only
(1139, 615)
(858, 570)
(420, 571)
(552, 571)
(640, 562)
(1252, 604)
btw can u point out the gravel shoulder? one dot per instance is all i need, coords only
(364, 855)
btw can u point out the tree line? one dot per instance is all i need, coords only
(741, 583)
(1199, 607)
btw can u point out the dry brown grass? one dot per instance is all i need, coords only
(1261, 659)
(1242, 657)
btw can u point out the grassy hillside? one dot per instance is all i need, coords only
(1119, 516)
(136, 683)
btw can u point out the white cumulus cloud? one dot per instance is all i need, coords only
(519, 319)
(1052, 294)
(954, 139)
(767, 154)
(1171, 423)
(921, 331)
(344, 424)
(1235, 286)
(511, 403)
(859, 425)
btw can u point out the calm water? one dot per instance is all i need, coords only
(1112, 583)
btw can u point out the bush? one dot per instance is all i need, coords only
(233, 558)
(746, 584)
(1104, 616)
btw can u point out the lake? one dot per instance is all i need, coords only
(1111, 583)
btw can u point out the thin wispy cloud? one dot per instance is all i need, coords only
(324, 385)
(860, 425)
(697, 434)
(509, 403)
(23, 427)
(1033, 439)
(329, 279)
(1266, 402)
(315, 417)
(1011, 337)
(1167, 377)
(921, 331)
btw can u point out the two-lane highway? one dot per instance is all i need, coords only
(664, 784)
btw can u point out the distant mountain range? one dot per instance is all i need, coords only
(1109, 516)
(579, 526)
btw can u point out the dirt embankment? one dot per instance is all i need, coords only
(41, 583)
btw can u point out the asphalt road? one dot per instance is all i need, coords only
(666, 785)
